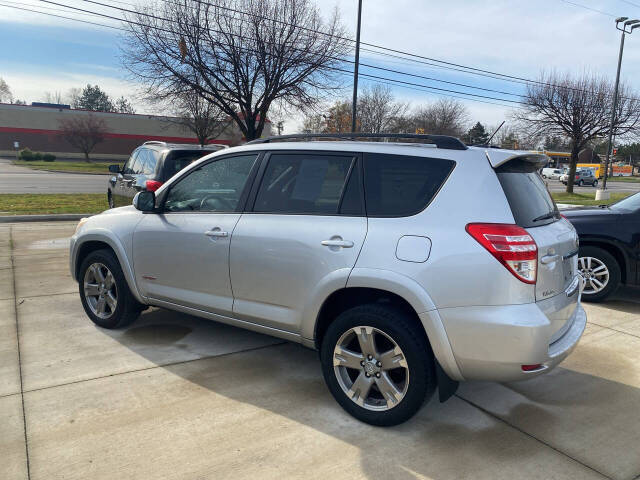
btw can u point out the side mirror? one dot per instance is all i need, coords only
(114, 168)
(145, 201)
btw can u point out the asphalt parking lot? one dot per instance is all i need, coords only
(176, 397)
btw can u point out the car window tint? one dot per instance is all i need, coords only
(399, 185)
(213, 187)
(303, 183)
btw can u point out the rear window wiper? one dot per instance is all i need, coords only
(545, 216)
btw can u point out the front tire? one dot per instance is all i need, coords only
(104, 291)
(595, 183)
(601, 273)
(580, 183)
(378, 364)
(110, 199)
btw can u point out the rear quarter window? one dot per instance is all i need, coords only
(527, 194)
(402, 185)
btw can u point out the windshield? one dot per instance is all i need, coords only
(528, 197)
(628, 204)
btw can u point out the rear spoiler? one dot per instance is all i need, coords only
(500, 157)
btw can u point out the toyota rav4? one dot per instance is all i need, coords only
(409, 266)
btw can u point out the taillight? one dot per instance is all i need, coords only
(153, 185)
(511, 245)
(577, 177)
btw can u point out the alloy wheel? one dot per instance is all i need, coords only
(100, 290)
(371, 368)
(595, 274)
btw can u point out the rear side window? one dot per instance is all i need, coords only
(528, 197)
(304, 183)
(176, 160)
(399, 185)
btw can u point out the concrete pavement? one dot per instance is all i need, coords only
(178, 397)
(15, 179)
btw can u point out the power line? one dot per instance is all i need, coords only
(447, 92)
(240, 36)
(579, 5)
(464, 68)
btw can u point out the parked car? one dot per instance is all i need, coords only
(149, 166)
(583, 177)
(609, 246)
(551, 173)
(409, 266)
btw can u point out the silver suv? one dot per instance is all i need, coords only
(409, 266)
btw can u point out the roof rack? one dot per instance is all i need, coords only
(440, 141)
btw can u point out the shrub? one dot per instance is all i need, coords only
(48, 157)
(25, 154)
(37, 156)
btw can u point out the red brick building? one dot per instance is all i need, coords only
(38, 128)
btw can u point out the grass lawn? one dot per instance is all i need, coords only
(586, 198)
(624, 179)
(66, 166)
(41, 203)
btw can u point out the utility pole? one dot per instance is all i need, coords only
(355, 71)
(627, 27)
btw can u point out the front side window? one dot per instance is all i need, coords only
(213, 187)
(402, 185)
(128, 167)
(303, 184)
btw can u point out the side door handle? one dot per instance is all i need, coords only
(337, 243)
(216, 233)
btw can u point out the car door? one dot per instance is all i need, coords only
(181, 255)
(134, 179)
(119, 198)
(301, 236)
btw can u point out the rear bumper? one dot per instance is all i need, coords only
(493, 342)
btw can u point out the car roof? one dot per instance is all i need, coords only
(158, 145)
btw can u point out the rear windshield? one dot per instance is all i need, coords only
(178, 159)
(528, 197)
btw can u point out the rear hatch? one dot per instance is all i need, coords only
(556, 239)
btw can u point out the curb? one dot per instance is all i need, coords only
(44, 218)
(63, 171)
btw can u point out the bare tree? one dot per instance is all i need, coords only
(201, 117)
(241, 55)
(84, 132)
(74, 95)
(5, 92)
(578, 108)
(53, 97)
(378, 110)
(444, 117)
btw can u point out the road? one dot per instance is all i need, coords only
(174, 396)
(14, 179)
(612, 186)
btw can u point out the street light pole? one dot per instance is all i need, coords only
(355, 71)
(627, 27)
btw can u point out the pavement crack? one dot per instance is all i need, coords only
(619, 331)
(252, 349)
(524, 432)
(15, 313)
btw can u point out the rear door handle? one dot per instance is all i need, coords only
(216, 233)
(337, 243)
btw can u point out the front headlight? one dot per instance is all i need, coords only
(82, 221)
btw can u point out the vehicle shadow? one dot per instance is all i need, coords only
(591, 419)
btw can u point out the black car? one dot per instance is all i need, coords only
(609, 246)
(149, 166)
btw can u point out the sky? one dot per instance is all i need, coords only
(513, 37)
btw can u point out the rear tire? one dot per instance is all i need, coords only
(601, 272)
(378, 348)
(104, 291)
(595, 183)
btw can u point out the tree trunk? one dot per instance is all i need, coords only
(86, 157)
(572, 168)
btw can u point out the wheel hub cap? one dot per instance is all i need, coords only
(100, 291)
(371, 369)
(595, 274)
